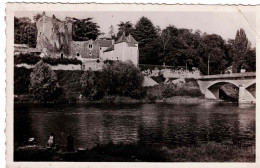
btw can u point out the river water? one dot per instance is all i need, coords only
(165, 124)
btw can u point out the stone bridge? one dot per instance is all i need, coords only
(210, 85)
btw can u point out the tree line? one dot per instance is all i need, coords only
(184, 47)
(171, 46)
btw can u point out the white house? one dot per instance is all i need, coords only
(125, 48)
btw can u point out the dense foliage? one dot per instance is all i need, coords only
(181, 47)
(21, 80)
(32, 59)
(146, 35)
(84, 29)
(43, 83)
(124, 27)
(123, 78)
(25, 31)
(91, 85)
(27, 58)
(63, 61)
(69, 81)
(116, 78)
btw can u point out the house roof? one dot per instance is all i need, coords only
(110, 48)
(122, 39)
(130, 39)
(104, 43)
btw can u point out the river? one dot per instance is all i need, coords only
(166, 124)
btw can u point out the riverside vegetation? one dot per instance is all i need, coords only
(117, 81)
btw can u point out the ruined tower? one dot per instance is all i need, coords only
(54, 36)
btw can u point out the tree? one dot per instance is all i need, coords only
(122, 78)
(43, 83)
(25, 31)
(213, 50)
(241, 51)
(146, 34)
(126, 27)
(84, 29)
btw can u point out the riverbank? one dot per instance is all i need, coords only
(25, 99)
(210, 152)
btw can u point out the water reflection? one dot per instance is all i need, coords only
(181, 125)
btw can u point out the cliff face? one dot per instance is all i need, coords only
(54, 36)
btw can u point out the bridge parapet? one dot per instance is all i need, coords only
(233, 75)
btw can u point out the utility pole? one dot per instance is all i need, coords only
(208, 63)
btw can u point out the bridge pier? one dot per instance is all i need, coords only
(245, 96)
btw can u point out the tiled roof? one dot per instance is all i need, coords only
(110, 48)
(104, 43)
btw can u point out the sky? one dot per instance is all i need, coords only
(224, 24)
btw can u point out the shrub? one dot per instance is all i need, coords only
(33, 59)
(63, 61)
(27, 58)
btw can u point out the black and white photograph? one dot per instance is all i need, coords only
(133, 84)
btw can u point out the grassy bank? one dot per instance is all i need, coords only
(210, 152)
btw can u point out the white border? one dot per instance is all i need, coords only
(2, 98)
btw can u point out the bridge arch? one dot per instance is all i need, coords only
(214, 88)
(223, 82)
(252, 89)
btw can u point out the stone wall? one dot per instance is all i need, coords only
(171, 73)
(85, 49)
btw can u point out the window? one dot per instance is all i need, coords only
(83, 67)
(61, 56)
(77, 54)
(90, 53)
(90, 46)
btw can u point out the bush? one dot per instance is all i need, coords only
(27, 58)
(63, 61)
(33, 59)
